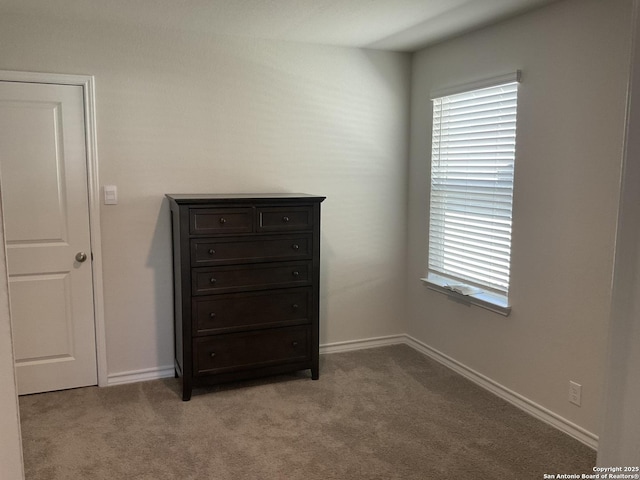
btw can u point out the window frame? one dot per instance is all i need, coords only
(487, 298)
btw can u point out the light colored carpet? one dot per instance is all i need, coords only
(384, 413)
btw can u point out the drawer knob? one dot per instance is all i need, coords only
(294, 306)
(212, 354)
(294, 344)
(211, 251)
(212, 281)
(212, 315)
(223, 220)
(295, 246)
(285, 219)
(295, 273)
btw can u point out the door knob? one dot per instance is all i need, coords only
(81, 257)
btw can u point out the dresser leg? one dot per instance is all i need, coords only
(186, 390)
(315, 373)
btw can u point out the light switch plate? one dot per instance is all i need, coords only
(110, 195)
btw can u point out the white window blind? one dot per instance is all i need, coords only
(472, 164)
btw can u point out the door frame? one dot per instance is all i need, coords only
(87, 82)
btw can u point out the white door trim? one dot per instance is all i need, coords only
(87, 82)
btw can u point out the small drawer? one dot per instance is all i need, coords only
(240, 351)
(250, 277)
(279, 219)
(222, 251)
(220, 220)
(243, 311)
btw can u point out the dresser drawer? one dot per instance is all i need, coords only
(262, 348)
(213, 221)
(250, 277)
(251, 310)
(220, 251)
(282, 219)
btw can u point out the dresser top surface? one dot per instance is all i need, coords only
(196, 198)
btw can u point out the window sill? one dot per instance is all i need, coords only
(489, 301)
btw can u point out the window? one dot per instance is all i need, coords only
(472, 164)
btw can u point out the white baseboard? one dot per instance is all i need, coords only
(529, 406)
(168, 371)
(352, 345)
(140, 375)
(133, 376)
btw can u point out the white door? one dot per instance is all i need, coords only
(43, 179)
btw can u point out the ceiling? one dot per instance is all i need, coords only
(401, 25)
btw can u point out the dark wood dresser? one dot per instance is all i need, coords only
(246, 285)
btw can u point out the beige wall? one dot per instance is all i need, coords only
(574, 56)
(180, 114)
(10, 444)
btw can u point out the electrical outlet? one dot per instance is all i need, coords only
(575, 393)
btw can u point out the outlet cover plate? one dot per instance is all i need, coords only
(575, 393)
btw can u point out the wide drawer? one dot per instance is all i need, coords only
(208, 280)
(262, 348)
(250, 310)
(220, 251)
(220, 220)
(282, 219)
